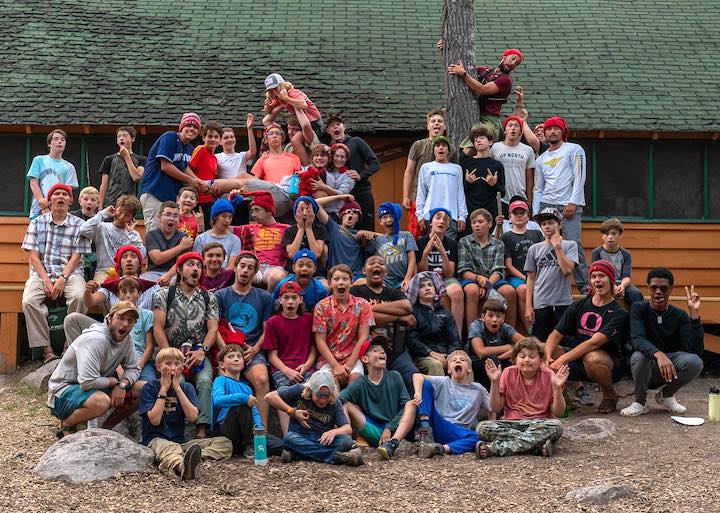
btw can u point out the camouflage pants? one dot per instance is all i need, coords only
(507, 437)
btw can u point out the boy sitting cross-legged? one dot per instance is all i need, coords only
(448, 408)
(378, 404)
(531, 396)
(319, 429)
(165, 404)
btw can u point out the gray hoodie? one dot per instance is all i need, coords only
(91, 360)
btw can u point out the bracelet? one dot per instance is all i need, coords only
(290, 411)
(161, 396)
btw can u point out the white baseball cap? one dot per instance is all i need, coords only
(273, 80)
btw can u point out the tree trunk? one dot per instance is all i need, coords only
(459, 41)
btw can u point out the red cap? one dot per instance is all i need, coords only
(518, 204)
(190, 255)
(291, 287)
(124, 249)
(59, 186)
(513, 51)
(262, 199)
(513, 117)
(558, 122)
(605, 267)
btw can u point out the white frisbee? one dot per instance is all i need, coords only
(688, 421)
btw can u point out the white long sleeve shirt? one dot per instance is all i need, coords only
(560, 175)
(440, 185)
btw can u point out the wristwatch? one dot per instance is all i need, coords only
(205, 349)
(123, 385)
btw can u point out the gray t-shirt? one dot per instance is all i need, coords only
(119, 179)
(501, 337)
(621, 259)
(552, 287)
(515, 160)
(230, 242)
(155, 239)
(395, 255)
(459, 403)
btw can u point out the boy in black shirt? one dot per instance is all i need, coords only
(484, 176)
(596, 327)
(668, 344)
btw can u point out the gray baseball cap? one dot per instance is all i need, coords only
(548, 213)
(273, 80)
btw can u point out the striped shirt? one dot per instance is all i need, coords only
(56, 243)
(478, 259)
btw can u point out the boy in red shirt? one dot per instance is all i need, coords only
(531, 395)
(204, 163)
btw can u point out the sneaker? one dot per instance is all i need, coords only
(191, 461)
(670, 403)
(425, 435)
(583, 397)
(351, 458)
(634, 410)
(428, 450)
(287, 456)
(387, 449)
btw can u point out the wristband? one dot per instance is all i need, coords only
(162, 396)
(290, 411)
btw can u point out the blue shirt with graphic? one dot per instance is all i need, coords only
(142, 326)
(168, 147)
(395, 255)
(50, 171)
(246, 313)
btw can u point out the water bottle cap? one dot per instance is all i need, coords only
(715, 390)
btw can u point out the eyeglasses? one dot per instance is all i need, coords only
(171, 216)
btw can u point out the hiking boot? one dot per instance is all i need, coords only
(351, 458)
(670, 403)
(425, 435)
(287, 456)
(428, 450)
(634, 410)
(387, 449)
(191, 460)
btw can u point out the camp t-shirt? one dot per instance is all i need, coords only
(169, 148)
(421, 152)
(155, 240)
(395, 255)
(246, 313)
(321, 419)
(517, 246)
(435, 260)
(49, 172)
(172, 424)
(320, 233)
(552, 287)
(583, 319)
(515, 160)
(119, 179)
(501, 337)
(387, 295)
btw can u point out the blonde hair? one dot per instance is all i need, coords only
(88, 190)
(169, 354)
(286, 86)
(307, 393)
(462, 354)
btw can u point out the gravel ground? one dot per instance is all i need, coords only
(672, 468)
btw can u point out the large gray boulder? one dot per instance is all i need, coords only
(600, 494)
(39, 378)
(93, 455)
(591, 429)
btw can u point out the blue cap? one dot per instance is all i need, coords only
(306, 199)
(439, 209)
(304, 253)
(394, 210)
(221, 206)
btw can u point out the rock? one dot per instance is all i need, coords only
(39, 378)
(600, 494)
(93, 455)
(131, 428)
(591, 429)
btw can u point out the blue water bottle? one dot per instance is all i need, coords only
(260, 446)
(294, 186)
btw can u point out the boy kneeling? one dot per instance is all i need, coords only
(165, 404)
(318, 429)
(378, 404)
(531, 396)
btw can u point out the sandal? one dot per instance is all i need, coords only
(49, 357)
(482, 450)
(548, 449)
(608, 405)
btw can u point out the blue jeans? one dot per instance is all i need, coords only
(458, 438)
(646, 373)
(572, 230)
(312, 449)
(403, 363)
(633, 295)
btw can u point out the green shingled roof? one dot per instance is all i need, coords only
(611, 65)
